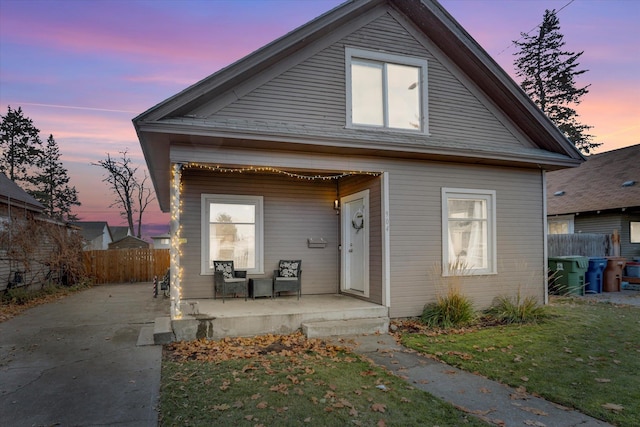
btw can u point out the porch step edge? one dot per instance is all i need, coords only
(360, 326)
(162, 331)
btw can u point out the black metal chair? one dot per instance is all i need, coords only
(228, 281)
(288, 277)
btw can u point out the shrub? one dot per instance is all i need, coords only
(453, 309)
(517, 309)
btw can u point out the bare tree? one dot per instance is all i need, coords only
(132, 195)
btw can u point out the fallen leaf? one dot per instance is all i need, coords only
(534, 410)
(602, 380)
(484, 390)
(382, 423)
(405, 400)
(262, 405)
(613, 407)
(534, 423)
(248, 417)
(353, 412)
(222, 407)
(378, 407)
(307, 420)
(525, 379)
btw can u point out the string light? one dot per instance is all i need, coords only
(268, 169)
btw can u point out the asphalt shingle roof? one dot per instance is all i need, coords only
(596, 185)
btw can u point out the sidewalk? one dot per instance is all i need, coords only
(477, 395)
(75, 362)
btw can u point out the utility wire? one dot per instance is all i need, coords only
(527, 33)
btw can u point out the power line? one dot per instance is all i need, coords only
(537, 26)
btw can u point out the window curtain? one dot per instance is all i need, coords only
(476, 251)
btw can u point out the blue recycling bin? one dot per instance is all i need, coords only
(593, 277)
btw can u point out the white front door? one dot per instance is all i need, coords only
(355, 243)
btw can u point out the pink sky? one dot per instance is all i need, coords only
(83, 69)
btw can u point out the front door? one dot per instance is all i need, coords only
(355, 243)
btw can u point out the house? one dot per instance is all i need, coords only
(379, 144)
(29, 239)
(162, 241)
(120, 232)
(599, 196)
(96, 234)
(129, 242)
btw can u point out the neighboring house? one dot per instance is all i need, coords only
(21, 217)
(129, 242)
(162, 241)
(120, 232)
(96, 234)
(600, 196)
(379, 144)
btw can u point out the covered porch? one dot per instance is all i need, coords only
(316, 315)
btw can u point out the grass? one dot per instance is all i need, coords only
(254, 382)
(584, 355)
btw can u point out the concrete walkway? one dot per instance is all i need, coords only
(477, 395)
(76, 362)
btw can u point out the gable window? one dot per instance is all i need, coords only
(468, 231)
(232, 231)
(386, 91)
(562, 224)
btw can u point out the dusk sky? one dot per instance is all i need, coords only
(81, 70)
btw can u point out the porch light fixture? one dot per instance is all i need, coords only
(336, 206)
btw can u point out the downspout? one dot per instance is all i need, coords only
(386, 248)
(545, 229)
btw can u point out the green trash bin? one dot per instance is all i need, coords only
(567, 274)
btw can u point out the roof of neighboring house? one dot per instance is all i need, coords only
(119, 232)
(129, 241)
(597, 184)
(11, 193)
(92, 229)
(158, 126)
(162, 236)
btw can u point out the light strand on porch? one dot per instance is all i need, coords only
(257, 169)
(176, 240)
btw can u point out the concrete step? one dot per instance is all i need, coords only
(360, 326)
(162, 331)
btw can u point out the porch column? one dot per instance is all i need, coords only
(174, 251)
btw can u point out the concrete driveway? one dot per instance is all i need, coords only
(76, 362)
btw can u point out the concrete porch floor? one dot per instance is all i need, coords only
(317, 315)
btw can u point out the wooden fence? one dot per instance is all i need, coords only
(581, 244)
(126, 265)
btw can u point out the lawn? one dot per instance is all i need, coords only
(289, 380)
(585, 356)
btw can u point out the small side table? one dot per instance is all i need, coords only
(261, 288)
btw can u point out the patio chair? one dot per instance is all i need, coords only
(288, 277)
(228, 281)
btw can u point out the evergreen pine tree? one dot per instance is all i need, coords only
(52, 184)
(21, 146)
(548, 76)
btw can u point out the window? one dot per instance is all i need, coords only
(634, 232)
(468, 231)
(560, 225)
(386, 91)
(232, 230)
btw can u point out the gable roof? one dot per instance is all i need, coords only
(119, 232)
(597, 184)
(92, 229)
(12, 194)
(175, 119)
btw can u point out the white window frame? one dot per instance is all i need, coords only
(569, 219)
(489, 196)
(387, 58)
(258, 202)
(634, 226)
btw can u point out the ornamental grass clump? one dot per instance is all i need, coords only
(452, 309)
(517, 309)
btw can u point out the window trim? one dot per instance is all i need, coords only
(490, 197)
(631, 233)
(382, 57)
(205, 202)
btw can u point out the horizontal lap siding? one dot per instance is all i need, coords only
(313, 92)
(416, 233)
(294, 210)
